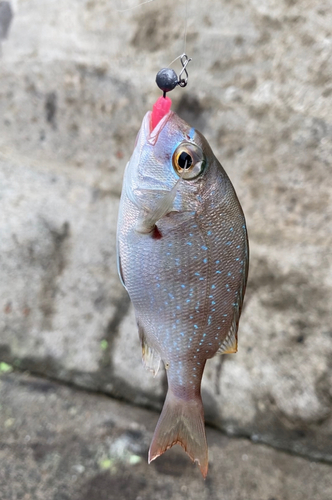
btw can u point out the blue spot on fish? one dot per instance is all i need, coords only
(203, 247)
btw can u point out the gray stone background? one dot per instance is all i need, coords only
(76, 78)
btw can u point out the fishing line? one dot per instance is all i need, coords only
(134, 6)
(166, 78)
(185, 27)
(181, 81)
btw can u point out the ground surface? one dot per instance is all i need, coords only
(58, 443)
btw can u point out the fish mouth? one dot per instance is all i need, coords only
(151, 135)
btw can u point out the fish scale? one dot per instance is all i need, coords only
(183, 258)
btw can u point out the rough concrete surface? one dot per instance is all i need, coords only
(58, 443)
(75, 82)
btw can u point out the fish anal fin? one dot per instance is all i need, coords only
(181, 422)
(151, 359)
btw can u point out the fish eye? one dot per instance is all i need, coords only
(188, 160)
(185, 160)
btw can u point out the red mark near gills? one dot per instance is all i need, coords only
(160, 108)
(156, 234)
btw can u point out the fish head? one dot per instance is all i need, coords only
(172, 156)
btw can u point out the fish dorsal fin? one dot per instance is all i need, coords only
(229, 346)
(150, 357)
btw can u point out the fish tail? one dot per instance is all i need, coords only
(181, 422)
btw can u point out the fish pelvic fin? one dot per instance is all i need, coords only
(181, 422)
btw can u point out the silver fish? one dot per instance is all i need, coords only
(183, 258)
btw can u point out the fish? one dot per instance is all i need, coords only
(183, 257)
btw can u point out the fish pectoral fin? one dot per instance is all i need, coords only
(151, 359)
(161, 207)
(229, 346)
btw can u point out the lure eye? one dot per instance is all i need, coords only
(188, 161)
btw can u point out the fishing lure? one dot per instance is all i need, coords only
(183, 258)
